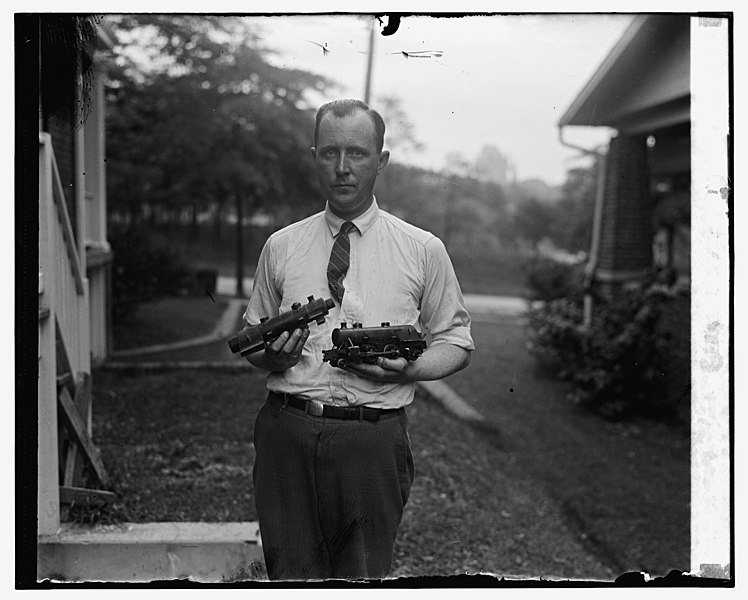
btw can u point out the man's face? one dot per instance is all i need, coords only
(348, 162)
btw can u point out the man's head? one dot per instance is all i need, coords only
(345, 108)
(348, 142)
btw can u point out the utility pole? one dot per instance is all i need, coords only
(370, 61)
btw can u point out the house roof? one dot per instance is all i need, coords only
(644, 82)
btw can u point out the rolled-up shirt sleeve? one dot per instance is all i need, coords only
(443, 312)
(265, 299)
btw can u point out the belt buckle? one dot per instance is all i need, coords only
(315, 408)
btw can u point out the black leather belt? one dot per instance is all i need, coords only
(320, 409)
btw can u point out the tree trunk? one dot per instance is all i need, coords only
(152, 210)
(134, 208)
(239, 245)
(448, 216)
(217, 222)
(194, 227)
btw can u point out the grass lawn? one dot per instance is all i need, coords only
(178, 446)
(550, 490)
(166, 320)
(624, 486)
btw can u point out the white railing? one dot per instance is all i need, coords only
(67, 300)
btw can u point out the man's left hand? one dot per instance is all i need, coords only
(386, 370)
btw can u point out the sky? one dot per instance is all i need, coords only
(501, 80)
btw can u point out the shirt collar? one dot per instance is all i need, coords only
(363, 222)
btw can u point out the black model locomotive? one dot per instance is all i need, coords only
(358, 344)
(257, 337)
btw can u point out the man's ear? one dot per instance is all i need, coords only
(384, 158)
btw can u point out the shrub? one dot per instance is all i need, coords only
(548, 279)
(141, 272)
(616, 365)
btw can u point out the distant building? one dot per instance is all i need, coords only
(642, 90)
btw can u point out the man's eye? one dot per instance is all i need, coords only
(357, 152)
(330, 153)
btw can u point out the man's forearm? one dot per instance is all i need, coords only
(438, 361)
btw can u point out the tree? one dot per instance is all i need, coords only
(207, 103)
(199, 119)
(401, 136)
(492, 165)
(572, 228)
(533, 219)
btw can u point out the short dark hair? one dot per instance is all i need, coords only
(345, 108)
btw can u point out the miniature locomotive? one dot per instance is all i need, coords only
(358, 344)
(257, 337)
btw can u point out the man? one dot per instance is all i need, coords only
(333, 465)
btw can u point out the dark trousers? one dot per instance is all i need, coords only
(329, 493)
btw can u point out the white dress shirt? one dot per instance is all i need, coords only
(398, 274)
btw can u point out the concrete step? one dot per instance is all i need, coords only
(143, 552)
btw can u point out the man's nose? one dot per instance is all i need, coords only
(342, 166)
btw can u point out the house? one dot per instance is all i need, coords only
(642, 90)
(74, 258)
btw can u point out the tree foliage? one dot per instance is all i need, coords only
(198, 118)
(463, 211)
(573, 222)
(617, 364)
(567, 220)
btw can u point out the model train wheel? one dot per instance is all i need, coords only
(391, 351)
(368, 354)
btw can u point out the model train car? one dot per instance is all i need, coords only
(358, 344)
(257, 337)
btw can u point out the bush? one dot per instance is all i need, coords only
(141, 272)
(548, 279)
(617, 364)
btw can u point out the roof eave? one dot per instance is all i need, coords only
(597, 80)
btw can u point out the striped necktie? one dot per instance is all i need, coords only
(339, 261)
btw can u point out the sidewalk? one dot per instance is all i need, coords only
(480, 304)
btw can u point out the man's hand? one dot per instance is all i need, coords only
(436, 362)
(285, 351)
(387, 370)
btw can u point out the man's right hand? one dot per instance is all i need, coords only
(285, 351)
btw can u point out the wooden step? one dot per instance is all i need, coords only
(213, 553)
(78, 495)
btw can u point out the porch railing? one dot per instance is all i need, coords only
(66, 292)
(64, 341)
